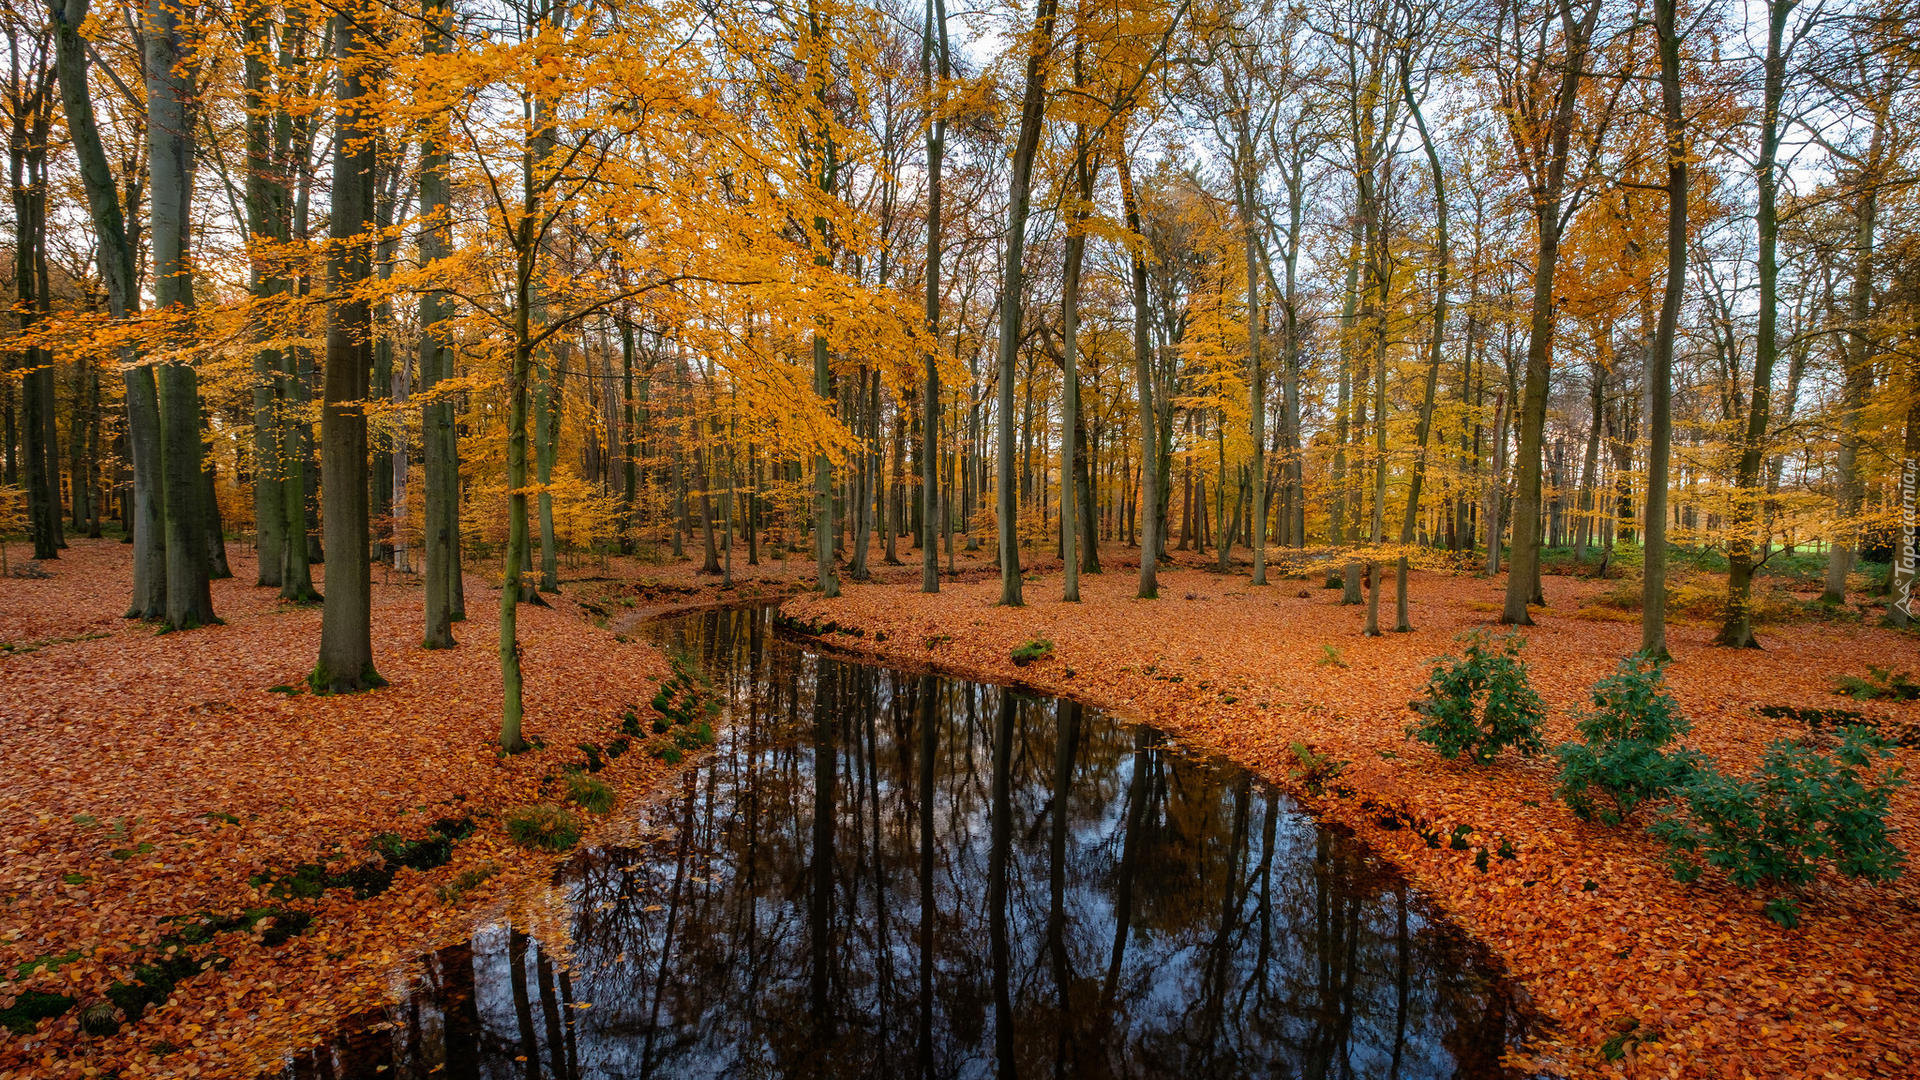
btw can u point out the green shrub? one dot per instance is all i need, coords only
(1803, 809)
(547, 826)
(590, 793)
(1312, 769)
(1034, 649)
(1879, 684)
(1480, 704)
(1623, 756)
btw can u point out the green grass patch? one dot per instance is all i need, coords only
(546, 826)
(590, 793)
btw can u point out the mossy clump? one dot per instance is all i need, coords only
(30, 1007)
(1034, 649)
(323, 681)
(682, 707)
(45, 963)
(466, 881)
(547, 826)
(590, 793)
(371, 877)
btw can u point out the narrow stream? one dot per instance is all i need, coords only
(879, 874)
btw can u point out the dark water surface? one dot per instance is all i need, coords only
(879, 874)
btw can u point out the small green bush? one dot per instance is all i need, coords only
(1034, 649)
(590, 793)
(1623, 757)
(1312, 769)
(547, 826)
(1879, 684)
(1480, 704)
(1803, 809)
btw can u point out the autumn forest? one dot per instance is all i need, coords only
(846, 538)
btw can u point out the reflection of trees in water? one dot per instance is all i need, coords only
(877, 874)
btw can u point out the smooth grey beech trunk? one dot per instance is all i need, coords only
(935, 39)
(1443, 267)
(1653, 586)
(115, 256)
(1019, 204)
(1737, 629)
(266, 199)
(170, 148)
(440, 529)
(346, 633)
(1151, 522)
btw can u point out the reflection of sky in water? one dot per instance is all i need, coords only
(1250, 942)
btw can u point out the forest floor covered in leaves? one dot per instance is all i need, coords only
(169, 792)
(1628, 971)
(182, 795)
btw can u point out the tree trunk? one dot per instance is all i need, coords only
(930, 392)
(1737, 630)
(1523, 575)
(1019, 197)
(346, 630)
(170, 150)
(116, 258)
(1653, 598)
(1148, 499)
(440, 524)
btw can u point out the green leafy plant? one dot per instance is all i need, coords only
(1622, 761)
(1880, 684)
(547, 826)
(1330, 657)
(590, 793)
(1802, 810)
(1034, 649)
(1480, 703)
(1313, 770)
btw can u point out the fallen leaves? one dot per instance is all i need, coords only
(154, 776)
(1588, 919)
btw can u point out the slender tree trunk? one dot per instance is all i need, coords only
(1151, 523)
(818, 70)
(440, 525)
(1737, 630)
(115, 257)
(170, 148)
(1443, 267)
(1653, 599)
(1858, 360)
(346, 627)
(265, 197)
(935, 40)
(1523, 575)
(1032, 106)
(1070, 508)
